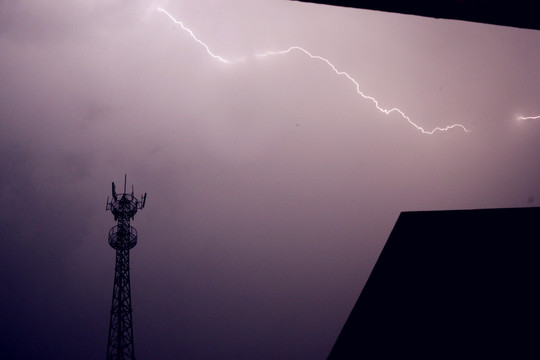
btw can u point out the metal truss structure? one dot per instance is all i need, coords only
(122, 238)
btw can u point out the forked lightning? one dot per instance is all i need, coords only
(319, 58)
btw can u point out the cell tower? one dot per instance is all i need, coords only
(122, 238)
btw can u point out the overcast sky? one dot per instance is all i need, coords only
(272, 184)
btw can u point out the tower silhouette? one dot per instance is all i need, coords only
(122, 238)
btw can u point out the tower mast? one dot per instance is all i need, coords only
(122, 238)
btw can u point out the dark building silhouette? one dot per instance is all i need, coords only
(122, 238)
(451, 284)
(516, 13)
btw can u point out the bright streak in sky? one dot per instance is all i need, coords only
(327, 62)
(343, 73)
(217, 57)
(528, 117)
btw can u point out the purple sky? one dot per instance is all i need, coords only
(272, 184)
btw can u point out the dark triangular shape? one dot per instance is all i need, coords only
(450, 284)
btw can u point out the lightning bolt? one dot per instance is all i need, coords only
(528, 117)
(357, 85)
(325, 61)
(194, 37)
